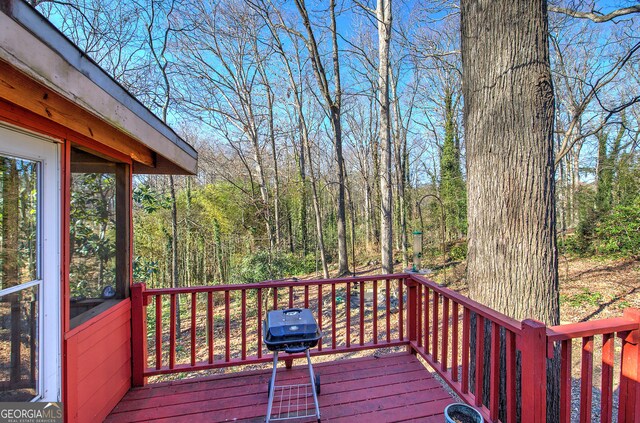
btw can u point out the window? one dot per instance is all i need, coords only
(19, 279)
(99, 234)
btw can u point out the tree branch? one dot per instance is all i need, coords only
(595, 16)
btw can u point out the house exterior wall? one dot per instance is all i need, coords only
(98, 364)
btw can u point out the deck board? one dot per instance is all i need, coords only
(388, 388)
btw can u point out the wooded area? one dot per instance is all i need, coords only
(328, 132)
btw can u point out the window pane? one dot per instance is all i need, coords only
(18, 223)
(93, 237)
(19, 345)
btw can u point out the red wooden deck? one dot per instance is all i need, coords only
(390, 388)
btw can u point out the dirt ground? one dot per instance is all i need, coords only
(590, 288)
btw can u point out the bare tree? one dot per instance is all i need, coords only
(384, 18)
(333, 105)
(223, 58)
(273, 19)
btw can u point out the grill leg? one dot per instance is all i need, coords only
(272, 385)
(313, 385)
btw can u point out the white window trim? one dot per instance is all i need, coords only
(18, 143)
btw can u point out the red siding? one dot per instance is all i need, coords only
(98, 363)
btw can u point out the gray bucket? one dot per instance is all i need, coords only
(464, 411)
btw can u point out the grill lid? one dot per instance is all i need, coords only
(289, 326)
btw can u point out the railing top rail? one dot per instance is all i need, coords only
(270, 284)
(590, 328)
(505, 321)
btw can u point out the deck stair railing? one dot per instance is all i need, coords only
(473, 348)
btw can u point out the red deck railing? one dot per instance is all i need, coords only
(465, 342)
(627, 357)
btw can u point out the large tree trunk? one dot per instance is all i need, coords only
(383, 15)
(508, 119)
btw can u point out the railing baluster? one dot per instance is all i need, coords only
(275, 298)
(435, 321)
(606, 387)
(348, 315)
(333, 316)
(445, 333)
(511, 376)
(375, 311)
(158, 331)
(306, 296)
(454, 341)
(586, 379)
(320, 315)
(401, 309)
(494, 392)
(193, 328)
(210, 325)
(260, 321)
(227, 326)
(466, 327)
(172, 333)
(565, 382)
(387, 312)
(243, 305)
(479, 359)
(361, 313)
(419, 315)
(427, 299)
(291, 297)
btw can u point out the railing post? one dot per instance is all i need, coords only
(138, 334)
(412, 310)
(533, 347)
(629, 406)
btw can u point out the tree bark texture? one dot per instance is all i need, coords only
(508, 118)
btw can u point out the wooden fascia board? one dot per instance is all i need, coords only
(36, 61)
(21, 90)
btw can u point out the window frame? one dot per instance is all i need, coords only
(46, 153)
(124, 227)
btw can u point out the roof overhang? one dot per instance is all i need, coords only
(44, 72)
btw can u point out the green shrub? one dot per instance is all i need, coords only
(262, 266)
(458, 251)
(618, 233)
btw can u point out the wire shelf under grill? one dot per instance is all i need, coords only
(293, 402)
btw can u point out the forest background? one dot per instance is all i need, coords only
(304, 169)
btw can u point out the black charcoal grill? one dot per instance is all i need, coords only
(292, 330)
